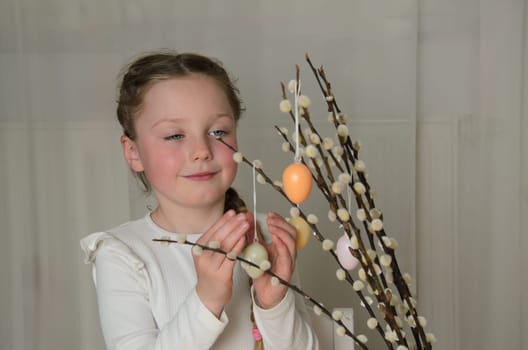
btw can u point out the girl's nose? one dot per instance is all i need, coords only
(202, 150)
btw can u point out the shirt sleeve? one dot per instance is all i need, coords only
(286, 325)
(127, 321)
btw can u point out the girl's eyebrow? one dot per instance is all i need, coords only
(179, 119)
(167, 120)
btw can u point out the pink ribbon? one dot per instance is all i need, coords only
(256, 334)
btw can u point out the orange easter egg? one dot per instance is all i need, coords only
(303, 231)
(297, 182)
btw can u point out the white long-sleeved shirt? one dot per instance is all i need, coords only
(147, 298)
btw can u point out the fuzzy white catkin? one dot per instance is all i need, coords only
(304, 101)
(342, 130)
(387, 241)
(312, 219)
(394, 300)
(331, 216)
(398, 321)
(354, 243)
(361, 214)
(283, 130)
(341, 331)
(375, 213)
(317, 310)
(328, 143)
(311, 151)
(340, 274)
(265, 265)
(358, 285)
(213, 244)
(285, 106)
(372, 323)
(344, 178)
(257, 164)
(360, 166)
(391, 335)
(422, 321)
(362, 274)
(359, 188)
(402, 309)
(411, 321)
(362, 338)
(430, 337)
(181, 238)
(377, 225)
(238, 157)
(260, 179)
(328, 244)
(385, 260)
(166, 241)
(337, 315)
(315, 139)
(274, 281)
(343, 214)
(337, 187)
(294, 212)
(402, 347)
(197, 250)
(292, 86)
(285, 146)
(337, 151)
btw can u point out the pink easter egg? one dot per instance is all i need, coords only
(344, 255)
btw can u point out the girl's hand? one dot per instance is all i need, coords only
(215, 271)
(282, 254)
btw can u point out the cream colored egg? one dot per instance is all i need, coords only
(303, 231)
(256, 253)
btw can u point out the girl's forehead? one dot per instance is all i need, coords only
(184, 97)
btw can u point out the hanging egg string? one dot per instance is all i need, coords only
(297, 178)
(255, 252)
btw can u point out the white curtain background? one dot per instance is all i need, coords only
(436, 90)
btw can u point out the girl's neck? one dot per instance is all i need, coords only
(187, 220)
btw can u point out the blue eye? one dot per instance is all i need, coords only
(174, 137)
(217, 133)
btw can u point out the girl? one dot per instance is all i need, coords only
(172, 107)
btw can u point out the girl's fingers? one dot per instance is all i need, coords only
(228, 231)
(206, 237)
(277, 220)
(223, 231)
(278, 227)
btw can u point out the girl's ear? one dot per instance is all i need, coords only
(131, 154)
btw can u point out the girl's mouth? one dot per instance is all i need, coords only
(201, 176)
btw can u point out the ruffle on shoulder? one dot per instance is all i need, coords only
(95, 241)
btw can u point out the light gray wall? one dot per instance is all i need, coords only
(435, 90)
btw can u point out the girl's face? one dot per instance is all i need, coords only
(176, 144)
